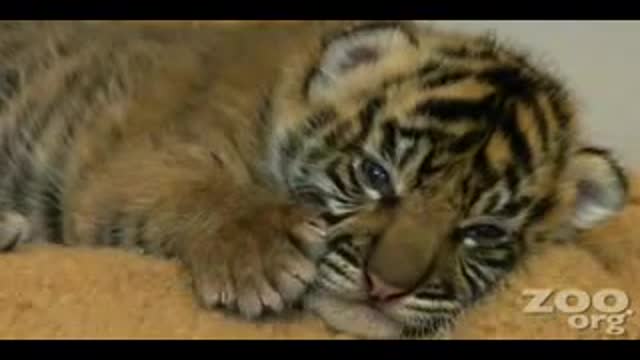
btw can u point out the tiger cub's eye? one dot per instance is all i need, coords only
(376, 176)
(481, 234)
(484, 231)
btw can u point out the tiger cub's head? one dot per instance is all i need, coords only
(440, 160)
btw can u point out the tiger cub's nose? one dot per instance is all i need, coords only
(380, 291)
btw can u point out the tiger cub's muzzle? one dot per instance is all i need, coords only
(404, 248)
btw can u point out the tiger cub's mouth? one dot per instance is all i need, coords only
(347, 299)
(374, 320)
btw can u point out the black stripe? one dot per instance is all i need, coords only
(27, 185)
(6, 150)
(482, 167)
(310, 195)
(426, 167)
(348, 256)
(540, 209)
(504, 263)
(366, 118)
(139, 235)
(370, 109)
(389, 144)
(353, 178)
(52, 210)
(340, 240)
(424, 71)
(620, 174)
(467, 141)
(446, 78)
(30, 124)
(9, 86)
(563, 117)
(264, 112)
(606, 154)
(418, 133)
(477, 270)
(408, 154)
(116, 236)
(541, 124)
(335, 268)
(517, 140)
(291, 145)
(425, 330)
(113, 232)
(435, 310)
(511, 81)
(115, 132)
(19, 181)
(332, 173)
(457, 109)
(512, 208)
(316, 154)
(415, 135)
(318, 121)
(333, 220)
(475, 289)
(336, 137)
(306, 84)
(428, 68)
(511, 175)
(491, 203)
(595, 151)
(466, 185)
(466, 53)
(445, 294)
(475, 195)
(562, 154)
(296, 242)
(25, 132)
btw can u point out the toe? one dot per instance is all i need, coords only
(270, 298)
(293, 278)
(249, 303)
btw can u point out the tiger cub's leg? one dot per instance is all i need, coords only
(246, 249)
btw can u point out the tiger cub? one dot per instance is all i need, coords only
(385, 174)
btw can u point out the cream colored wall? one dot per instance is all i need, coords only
(599, 59)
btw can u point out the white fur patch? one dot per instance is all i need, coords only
(353, 318)
(587, 217)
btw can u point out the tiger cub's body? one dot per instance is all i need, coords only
(369, 160)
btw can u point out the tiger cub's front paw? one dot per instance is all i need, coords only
(258, 264)
(14, 229)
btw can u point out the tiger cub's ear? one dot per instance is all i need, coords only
(601, 187)
(356, 50)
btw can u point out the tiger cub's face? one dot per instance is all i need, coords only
(439, 159)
